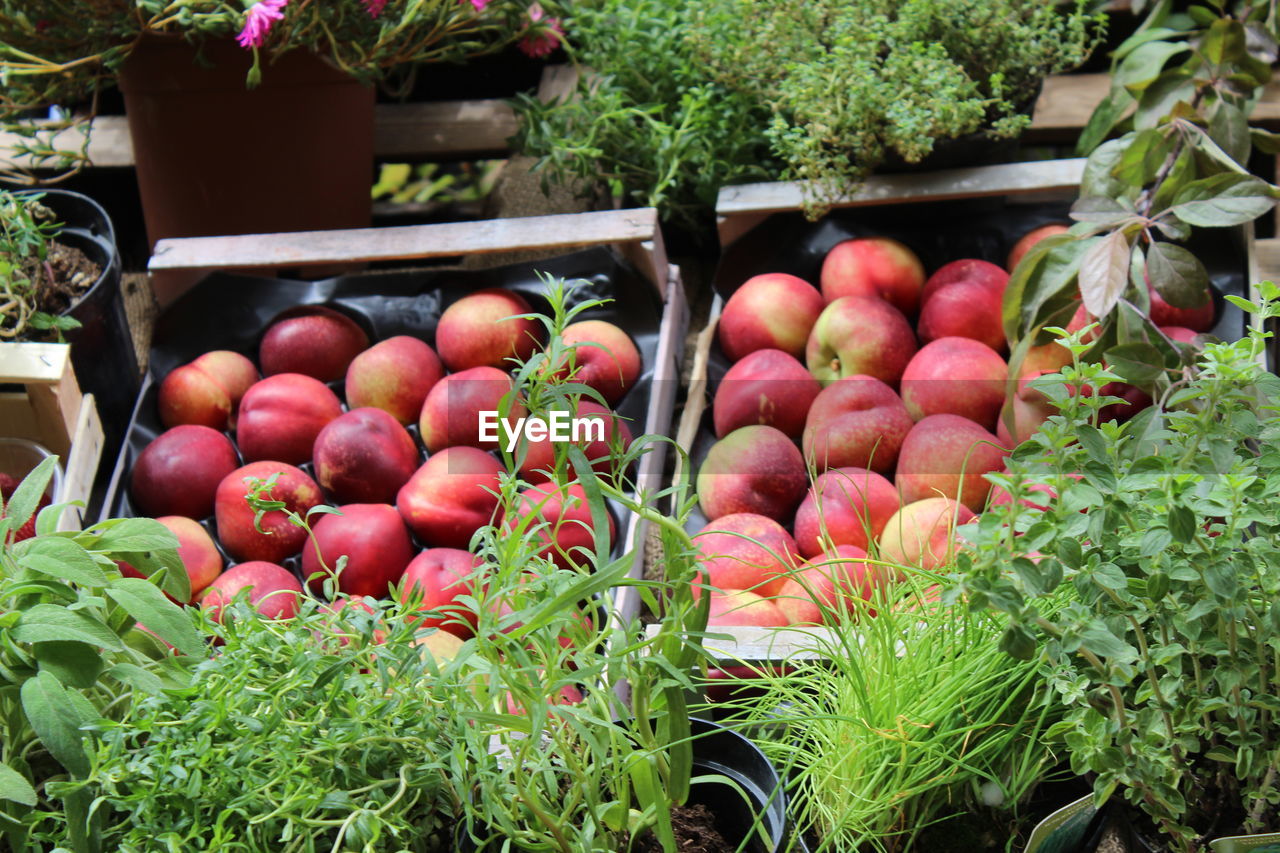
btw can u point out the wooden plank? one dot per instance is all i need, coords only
(974, 182)
(1067, 101)
(28, 362)
(80, 463)
(749, 644)
(362, 245)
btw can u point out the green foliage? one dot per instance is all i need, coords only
(1182, 90)
(689, 97)
(1164, 533)
(650, 124)
(70, 655)
(26, 226)
(905, 714)
(557, 759)
(852, 85)
(312, 734)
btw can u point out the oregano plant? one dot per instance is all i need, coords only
(1163, 531)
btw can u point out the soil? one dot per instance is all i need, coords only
(695, 830)
(69, 274)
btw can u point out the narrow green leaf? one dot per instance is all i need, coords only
(134, 534)
(45, 623)
(64, 559)
(1229, 127)
(15, 788)
(1146, 62)
(53, 718)
(21, 505)
(136, 677)
(1104, 118)
(146, 603)
(1223, 200)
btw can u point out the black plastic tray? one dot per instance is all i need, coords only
(226, 311)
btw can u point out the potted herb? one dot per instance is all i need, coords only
(822, 92)
(73, 653)
(1161, 531)
(197, 76)
(60, 282)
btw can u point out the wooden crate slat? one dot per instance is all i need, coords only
(406, 242)
(1004, 179)
(1067, 101)
(29, 362)
(750, 644)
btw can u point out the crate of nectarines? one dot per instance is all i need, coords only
(370, 392)
(854, 384)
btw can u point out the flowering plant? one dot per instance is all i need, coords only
(54, 53)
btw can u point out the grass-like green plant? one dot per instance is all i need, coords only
(1164, 532)
(899, 715)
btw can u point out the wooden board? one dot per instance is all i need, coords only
(753, 645)
(740, 208)
(50, 410)
(634, 231)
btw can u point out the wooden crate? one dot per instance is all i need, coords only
(742, 208)
(50, 410)
(634, 234)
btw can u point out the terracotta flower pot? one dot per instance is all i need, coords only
(214, 157)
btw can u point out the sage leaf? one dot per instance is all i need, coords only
(55, 721)
(21, 505)
(135, 534)
(1104, 269)
(45, 623)
(15, 788)
(64, 559)
(74, 664)
(145, 602)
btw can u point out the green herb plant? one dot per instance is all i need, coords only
(26, 227)
(1182, 89)
(557, 760)
(853, 85)
(1162, 531)
(897, 718)
(326, 731)
(72, 653)
(646, 120)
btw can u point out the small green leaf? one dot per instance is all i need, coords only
(1221, 753)
(1182, 523)
(1093, 441)
(147, 604)
(15, 788)
(1017, 643)
(21, 505)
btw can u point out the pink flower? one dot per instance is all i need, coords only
(258, 22)
(479, 4)
(375, 7)
(543, 34)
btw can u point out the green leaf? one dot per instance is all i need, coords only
(74, 664)
(1223, 200)
(1224, 43)
(55, 721)
(21, 505)
(1160, 99)
(1229, 127)
(46, 623)
(1142, 66)
(1101, 212)
(1104, 270)
(1017, 643)
(15, 788)
(1104, 118)
(164, 566)
(1182, 523)
(1098, 178)
(134, 534)
(1098, 639)
(136, 677)
(64, 559)
(1094, 443)
(1265, 141)
(1177, 275)
(1109, 575)
(1154, 541)
(146, 603)
(1221, 753)
(1141, 159)
(1070, 553)
(1137, 363)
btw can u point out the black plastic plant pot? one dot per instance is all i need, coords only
(102, 351)
(762, 821)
